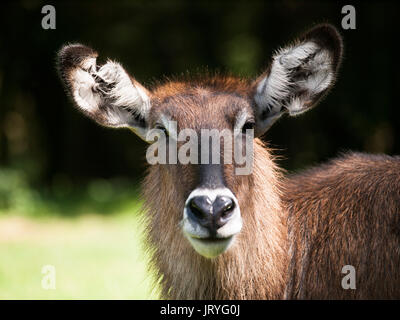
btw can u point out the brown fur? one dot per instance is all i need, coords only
(254, 268)
(242, 272)
(298, 231)
(346, 212)
(342, 213)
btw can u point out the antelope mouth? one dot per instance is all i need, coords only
(211, 220)
(210, 247)
(213, 239)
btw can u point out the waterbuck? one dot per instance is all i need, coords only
(216, 234)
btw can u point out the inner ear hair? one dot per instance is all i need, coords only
(327, 36)
(299, 76)
(107, 93)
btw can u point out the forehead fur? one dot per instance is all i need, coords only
(202, 101)
(201, 84)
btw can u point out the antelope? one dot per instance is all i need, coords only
(214, 234)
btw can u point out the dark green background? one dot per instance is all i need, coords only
(42, 135)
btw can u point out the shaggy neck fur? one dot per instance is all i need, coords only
(253, 268)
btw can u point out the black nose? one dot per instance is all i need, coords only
(211, 214)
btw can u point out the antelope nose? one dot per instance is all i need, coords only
(211, 214)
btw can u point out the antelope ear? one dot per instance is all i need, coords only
(299, 76)
(107, 94)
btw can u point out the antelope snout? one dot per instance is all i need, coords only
(211, 214)
(211, 219)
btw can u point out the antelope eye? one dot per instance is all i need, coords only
(248, 126)
(162, 128)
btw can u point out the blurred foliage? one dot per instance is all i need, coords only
(49, 153)
(95, 257)
(101, 196)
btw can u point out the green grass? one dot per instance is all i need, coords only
(95, 257)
